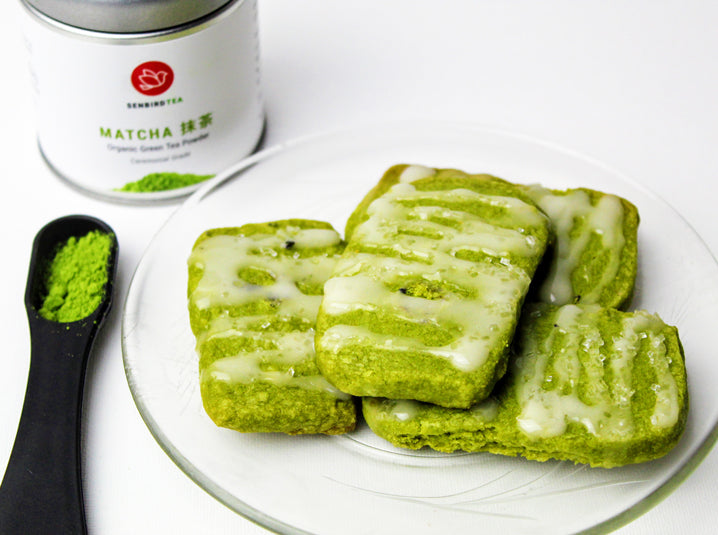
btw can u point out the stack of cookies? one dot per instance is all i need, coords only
(464, 312)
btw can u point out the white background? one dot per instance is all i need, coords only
(633, 84)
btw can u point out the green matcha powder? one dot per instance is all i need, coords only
(163, 182)
(75, 278)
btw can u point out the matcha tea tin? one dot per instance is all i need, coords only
(138, 99)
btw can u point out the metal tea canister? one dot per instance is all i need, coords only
(131, 89)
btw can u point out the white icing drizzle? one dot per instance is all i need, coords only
(605, 218)
(574, 348)
(405, 409)
(290, 347)
(413, 173)
(545, 413)
(314, 238)
(246, 368)
(666, 409)
(426, 250)
(486, 411)
(222, 258)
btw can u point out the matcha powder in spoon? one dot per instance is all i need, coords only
(75, 278)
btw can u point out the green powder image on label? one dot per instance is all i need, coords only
(75, 278)
(163, 182)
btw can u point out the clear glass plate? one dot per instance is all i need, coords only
(358, 483)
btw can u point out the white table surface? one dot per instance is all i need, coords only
(633, 84)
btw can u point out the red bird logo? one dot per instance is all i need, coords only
(152, 78)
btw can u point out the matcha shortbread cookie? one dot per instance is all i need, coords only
(425, 299)
(254, 292)
(588, 384)
(593, 256)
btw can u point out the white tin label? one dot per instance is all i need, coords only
(111, 112)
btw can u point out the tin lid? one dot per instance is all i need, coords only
(126, 16)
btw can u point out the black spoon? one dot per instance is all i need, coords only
(41, 491)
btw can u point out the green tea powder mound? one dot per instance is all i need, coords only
(163, 182)
(75, 278)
